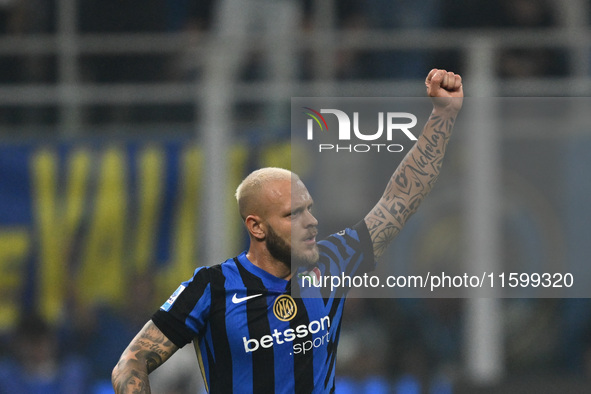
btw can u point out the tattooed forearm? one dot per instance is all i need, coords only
(410, 183)
(130, 378)
(146, 352)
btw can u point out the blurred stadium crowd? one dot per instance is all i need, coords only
(29, 17)
(402, 346)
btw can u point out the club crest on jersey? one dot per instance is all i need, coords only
(310, 278)
(285, 308)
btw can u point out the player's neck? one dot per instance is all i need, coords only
(263, 259)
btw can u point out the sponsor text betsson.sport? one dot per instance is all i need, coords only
(316, 328)
(433, 282)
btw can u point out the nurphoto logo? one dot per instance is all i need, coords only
(389, 122)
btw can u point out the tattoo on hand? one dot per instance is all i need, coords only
(410, 184)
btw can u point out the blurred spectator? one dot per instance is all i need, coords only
(103, 332)
(576, 339)
(11, 17)
(39, 17)
(417, 377)
(426, 344)
(528, 61)
(383, 15)
(519, 14)
(364, 345)
(585, 363)
(194, 17)
(399, 16)
(123, 17)
(179, 375)
(37, 368)
(349, 18)
(10, 24)
(458, 14)
(494, 14)
(523, 61)
(199, 15)
(527, 13)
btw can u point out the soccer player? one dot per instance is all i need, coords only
(251, 334)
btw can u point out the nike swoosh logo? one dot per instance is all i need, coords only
(237, 300)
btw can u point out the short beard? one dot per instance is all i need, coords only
(278, 248)
(281, 251)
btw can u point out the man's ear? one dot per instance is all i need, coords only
(256, 228)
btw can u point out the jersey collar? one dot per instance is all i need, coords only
(270, 281)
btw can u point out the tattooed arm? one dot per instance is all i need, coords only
(418, 171)
(147, 351)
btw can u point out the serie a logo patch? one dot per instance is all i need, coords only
(285, 308)
(168, 304)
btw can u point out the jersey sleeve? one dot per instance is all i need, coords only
(184, 315)
(349, 251)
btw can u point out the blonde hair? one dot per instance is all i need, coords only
(251, 186)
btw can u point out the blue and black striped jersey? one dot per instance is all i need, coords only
(253, 332)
